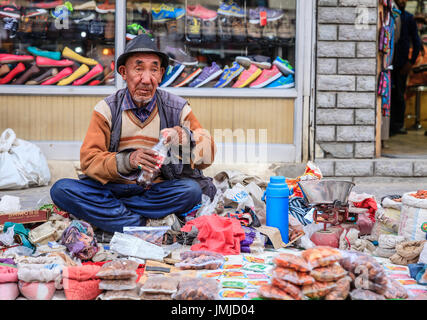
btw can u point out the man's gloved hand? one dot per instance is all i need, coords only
(144, 159)
(175, 136)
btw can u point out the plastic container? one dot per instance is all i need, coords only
(277, 200)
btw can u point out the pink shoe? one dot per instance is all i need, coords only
(46, 62)
(20, 67)
(11, 58)
(201, 12)
(61, 75)
(247, 76)
(94, 82)
(266, 77)
(98, 69)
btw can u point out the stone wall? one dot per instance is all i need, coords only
(346, 78)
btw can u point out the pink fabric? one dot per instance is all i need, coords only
(8, 274)
(37, 290)
(365, 223)
(217, 234)
(81, 290)
(81, 273)
(9, 291)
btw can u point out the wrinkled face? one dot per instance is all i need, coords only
(143, 73)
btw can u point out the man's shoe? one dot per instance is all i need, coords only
(106, 7)
(164, 12)
(186, 76)
(180, 56)
(171, 74)
(90, 5)
(260, 61)
(80, 72)
(46, 62)
(68, 53)
(43, 77)
(13, 58)
(266, 77)
(32, 71)
(61, 75)
(247, 76)
(20, 67)
(94, 83)
(229, 74)
(4, 68)
(284, 82)
(55, 55)
(284, 66)
(207, 74)
(95, 71)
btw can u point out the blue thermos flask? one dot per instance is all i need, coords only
(277, 199)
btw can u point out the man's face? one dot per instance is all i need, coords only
(143, 73)
(401, 3)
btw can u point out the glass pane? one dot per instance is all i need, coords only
(57, 43)
(220, 44)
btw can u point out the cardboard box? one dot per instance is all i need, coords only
(30, 216)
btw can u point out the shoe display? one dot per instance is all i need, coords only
(171, 74)
(4, 68)
(81, 16)
(11, 25)
(247, 76)
(198, 11)
(175, 29)
(180, 56)
(136, 29)
(193, 28)
(46, 62)
(32, 71)
(254, 31)
(43, 77)
(272, 14)
(229, 74)
(90, 5)
(12, 58)
(224, 28)
(48, 4)
(209, 30)
(20, 67)
(186, 76)
(80, 72)
(10, 11)
(238, 29)
(106, 7)
(260, 61)
(63, 11)
(231, 10)
(207, 74)
(61, 75)
(70, 54)
(266, 77)
(94, 72)
(164, 12)
(55, 55)
(284, 66)
(283, 82)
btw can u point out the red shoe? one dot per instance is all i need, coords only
(12, 74)
(94, 82)
(12, 58)
(48, 4)
(98, 69)
(64, 73)
(46, 62)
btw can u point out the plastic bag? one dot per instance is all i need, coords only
(155, 296)
(150, 234)
(9, 204)
(318, 289)
(292, 276)
(329, 273)
(361, 294)
(124, 284)
(395, 290)
(383, 252)
(365, 266)
(160, 284)
(197, 289)
(200, 260)
(288, 260)
(321, 256)
(119, 295)
(341, 291)
(118, 269)
(389, 241)
(269, 291)
(289, 288)
(37, 290)
(22, 164)
(422, 276)
(128, 245)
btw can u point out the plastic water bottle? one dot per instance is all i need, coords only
(145, 178)
(277, 194)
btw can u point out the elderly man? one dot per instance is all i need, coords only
(123, 129)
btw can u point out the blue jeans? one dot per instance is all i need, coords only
(113, 206)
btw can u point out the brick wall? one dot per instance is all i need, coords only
(346, 79)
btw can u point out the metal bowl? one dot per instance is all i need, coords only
(326, 191)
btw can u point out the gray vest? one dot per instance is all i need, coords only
(169, 107)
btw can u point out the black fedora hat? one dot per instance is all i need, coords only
(142, 43)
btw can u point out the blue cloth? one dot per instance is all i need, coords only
(141, 113)
(408, 35)
(113, 206)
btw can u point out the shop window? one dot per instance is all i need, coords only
(220, 44)
(57, 43)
